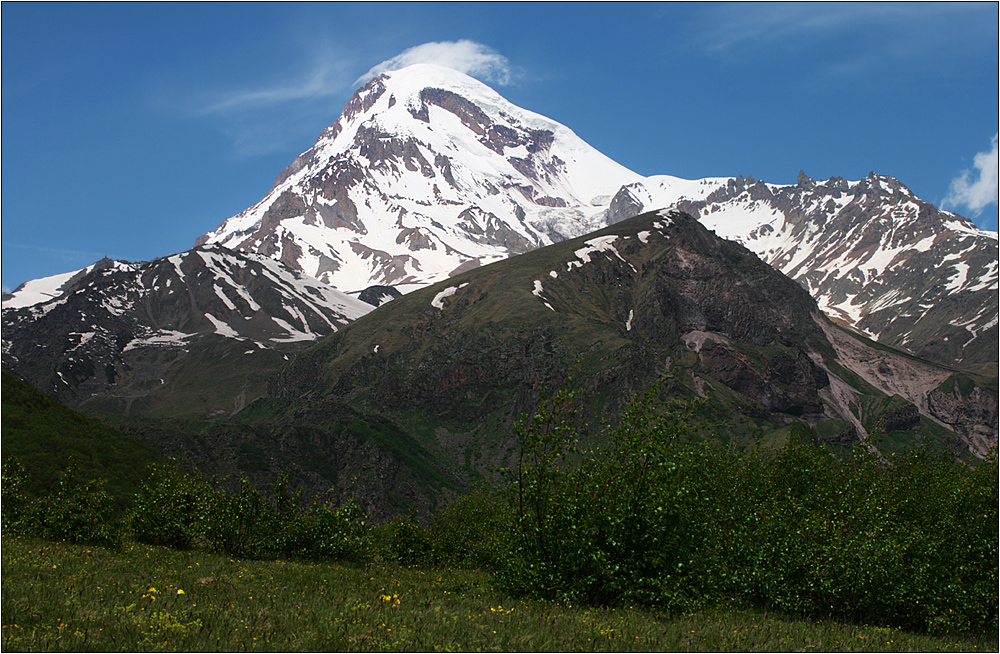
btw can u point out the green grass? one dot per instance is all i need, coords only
(59, 597)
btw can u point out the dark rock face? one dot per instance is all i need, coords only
(708, 284)
(378, 295)
(973, 415)
(805, 182)
(623, 205)
(671, 300)
(464, 370)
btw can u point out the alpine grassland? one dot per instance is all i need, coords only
(655, 538)
(63, 597)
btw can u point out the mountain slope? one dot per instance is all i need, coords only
(118, 334)
(654, 297)
(47, 436)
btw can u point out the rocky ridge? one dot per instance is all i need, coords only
(876, 257)
(654, 297)
(122, 330)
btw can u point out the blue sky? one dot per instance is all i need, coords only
(131, 129)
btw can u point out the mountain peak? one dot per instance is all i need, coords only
(427, 171)
(419, 76)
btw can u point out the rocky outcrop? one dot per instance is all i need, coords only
(910, 275)
(378, 295)
(656, 297)
(973, 415)
(623, 205)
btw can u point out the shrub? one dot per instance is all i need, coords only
(404, 540)
(76, 512)
(172, 509)
(15, 498)
(621, 524)
(658, 518)
(474, 531)
(325, 532)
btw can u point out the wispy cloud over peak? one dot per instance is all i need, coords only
(325, 79)
(976, 189)
(469, 57)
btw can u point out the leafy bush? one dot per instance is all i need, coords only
(173, 508)
(474, 531)
(325, 532)
(405, 540)
(241, 523)
(621, 525)
(78, 512)
(658, 518)
(16, 498)
(179, 510)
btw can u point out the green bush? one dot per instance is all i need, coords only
(405, 540)
(241, 523)
(623, 523)
(16, 498)
(78, 512)
(325, 532)
(173, 509)
(659, 518)
(474, 531)
(179, 510)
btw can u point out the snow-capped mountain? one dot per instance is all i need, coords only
(122, 329)
(426, 173)
(875, 256)
(429, 172)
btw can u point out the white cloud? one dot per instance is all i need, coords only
(325, 79)
(976, 189)
(469, 57)
(904, 25)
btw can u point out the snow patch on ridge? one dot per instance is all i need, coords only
(599, 244)
(222, 328)
(162, 338)
(537, 292)
(438, 301)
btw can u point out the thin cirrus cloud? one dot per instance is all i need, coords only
(860, 42)
(324, 80)
(260, 120)
(469, 57)
(906, 26)
(976, 188)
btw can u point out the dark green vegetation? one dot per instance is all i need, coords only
(671, 303)
(414, 402)
(654, 518)
(48, 436)
(657, 518)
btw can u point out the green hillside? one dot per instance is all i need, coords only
(456, 363)
(46, 436)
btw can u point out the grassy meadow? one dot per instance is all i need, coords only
(62, 597)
